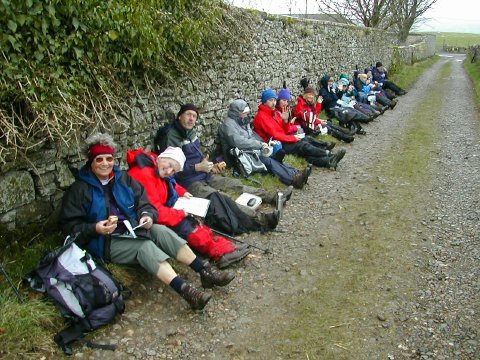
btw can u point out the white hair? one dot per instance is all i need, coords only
(99, 138)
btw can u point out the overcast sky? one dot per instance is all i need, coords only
(445, 15)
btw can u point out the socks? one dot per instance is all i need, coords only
(197, 265)
(177, 283)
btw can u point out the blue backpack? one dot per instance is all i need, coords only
(86, 293)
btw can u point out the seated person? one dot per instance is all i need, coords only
(268, 125)
(202, 178)
(307, 112)
(103, 231)
(380, 75)
(156, 175)
(236, 131)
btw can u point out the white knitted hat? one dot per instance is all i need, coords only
(174, 153)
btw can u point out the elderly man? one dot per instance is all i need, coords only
(236, 132)
(156, 175)
(105, 203)
(267, 125)
(201, 177)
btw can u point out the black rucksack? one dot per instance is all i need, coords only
(225, 215)
(86, 293)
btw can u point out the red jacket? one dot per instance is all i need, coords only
(268, 124)
(307, 115)
(143, 168)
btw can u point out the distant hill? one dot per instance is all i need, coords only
(450, 39)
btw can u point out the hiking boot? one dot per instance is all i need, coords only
(211, 276)
(394, 102)
(335, 159)
(402, 92)
(196, 298)
(330, 145)
(269, 220)
(232, 257)
(301, 178)
(360, 131)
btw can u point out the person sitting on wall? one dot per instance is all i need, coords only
(236, 132)
(380, 75)
(155, 173)
(103, 198)
(267, 125)
(202, 178)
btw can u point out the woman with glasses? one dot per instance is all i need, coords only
(105, 205)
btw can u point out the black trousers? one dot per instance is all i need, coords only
(311, 149)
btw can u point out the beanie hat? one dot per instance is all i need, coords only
(344, 81)
(185, 108)
(378, 64)
(284, 94)
(267, 95)
(344, 76)
(99, 149)
(367, 70)
(309, 90)
(174, 153)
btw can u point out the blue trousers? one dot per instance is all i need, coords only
(284, 172)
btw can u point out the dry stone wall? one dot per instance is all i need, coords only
(265, 53)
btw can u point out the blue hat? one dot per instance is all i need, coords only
(267, 95)
(284, 94)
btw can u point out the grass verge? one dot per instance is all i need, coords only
(408, 74)
(362, 276)
(473, 71)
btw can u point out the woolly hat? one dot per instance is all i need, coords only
(267, 95)
(344, 81)
(185, 108)
(309, 90)
(284, 94)
(344, 76)
(99, 149)
(378, 64)
(174, 153)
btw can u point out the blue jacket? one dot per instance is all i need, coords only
(377, 75)
(85, 203)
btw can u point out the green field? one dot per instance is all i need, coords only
(455, 39)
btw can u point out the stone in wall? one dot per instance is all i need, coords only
(16, 189)
(34, 212)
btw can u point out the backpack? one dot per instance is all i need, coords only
(246, 162)
(86, 293)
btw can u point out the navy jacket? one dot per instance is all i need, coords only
(84, 204)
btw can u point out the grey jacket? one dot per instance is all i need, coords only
(237, 132)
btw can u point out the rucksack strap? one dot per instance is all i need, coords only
(68, 336)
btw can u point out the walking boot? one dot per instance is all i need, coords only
(330, 145)
(335, 159)
(196, 298)
(211, 276)
(232, 257)
(301, 178)
(393, 104)
(269, 220)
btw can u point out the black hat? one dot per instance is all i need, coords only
(187, 107)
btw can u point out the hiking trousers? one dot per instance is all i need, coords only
(148, 252)
(284, 172)
(312, 150)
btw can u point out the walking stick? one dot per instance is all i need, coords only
(9, 279)
(266, 251)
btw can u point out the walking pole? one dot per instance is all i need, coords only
(9, 279)
(266, 251)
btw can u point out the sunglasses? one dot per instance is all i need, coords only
(99, 159)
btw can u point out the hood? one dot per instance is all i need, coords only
(236, 108)
(324, 80)
(141, 158)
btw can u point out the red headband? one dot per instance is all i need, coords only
(98, 149)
